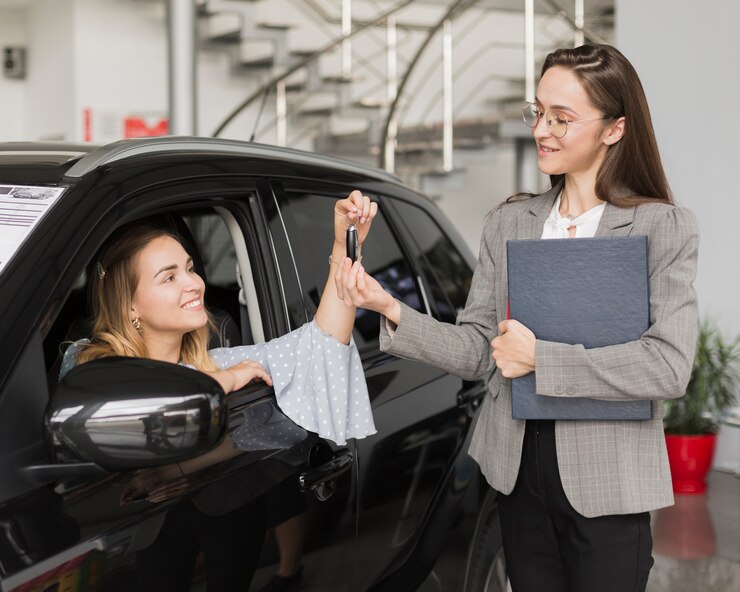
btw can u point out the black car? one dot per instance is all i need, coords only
(404, 509)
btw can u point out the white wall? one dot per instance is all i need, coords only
(50, 90)
(120, 52)
(484, 180)
(12, 92)
(688, 63)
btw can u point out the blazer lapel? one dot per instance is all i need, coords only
(616, 221)
(532, 222)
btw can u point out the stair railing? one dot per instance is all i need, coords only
(273, 82)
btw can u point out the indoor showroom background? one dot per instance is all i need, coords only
(97, 71)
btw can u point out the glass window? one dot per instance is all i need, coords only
(215, 247)
(381, 256)
(445, 268)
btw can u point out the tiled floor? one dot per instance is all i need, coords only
(696, 543)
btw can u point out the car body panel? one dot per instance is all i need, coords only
(406, 483)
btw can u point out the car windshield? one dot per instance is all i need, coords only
(21, 208)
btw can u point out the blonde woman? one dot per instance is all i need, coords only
(148, 302)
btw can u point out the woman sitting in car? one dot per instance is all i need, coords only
(148, 302)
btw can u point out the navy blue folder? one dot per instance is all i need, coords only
(587, 291)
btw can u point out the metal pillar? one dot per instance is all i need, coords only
(181, 46)
(579, 38)
(281, 114)
(392, 91)
(447, 96)
(347, 43)
(529, 50)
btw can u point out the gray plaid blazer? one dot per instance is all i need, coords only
(607, 467)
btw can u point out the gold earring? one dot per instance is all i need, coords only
(137, 325)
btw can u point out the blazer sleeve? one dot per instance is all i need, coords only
(462, 349)
(658, 365)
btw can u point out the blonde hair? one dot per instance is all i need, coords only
(112, 297)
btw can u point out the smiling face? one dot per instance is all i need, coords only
(169, 294)
(585, 144)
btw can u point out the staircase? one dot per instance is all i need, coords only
(326, 74)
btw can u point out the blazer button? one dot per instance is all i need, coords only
(570, 390)
(558, 390)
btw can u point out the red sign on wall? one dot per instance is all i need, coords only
(143, 127)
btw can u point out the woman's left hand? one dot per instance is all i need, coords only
(355, 209)
(513, 350)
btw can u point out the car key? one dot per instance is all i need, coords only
(353, 245)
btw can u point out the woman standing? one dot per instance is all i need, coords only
(574, 495)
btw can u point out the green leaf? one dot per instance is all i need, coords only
(713, 385)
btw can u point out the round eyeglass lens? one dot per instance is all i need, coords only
(530, 114)
(556, 125)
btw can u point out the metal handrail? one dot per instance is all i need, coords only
(458, 5)
(390, 124)
(337, 20)
(559, 11)
(303, 63)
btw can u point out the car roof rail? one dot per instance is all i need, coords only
(124, 149)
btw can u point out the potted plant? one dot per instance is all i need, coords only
(692, 421)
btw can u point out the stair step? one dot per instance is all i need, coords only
(339, 79)
(372, 103)
(431, 171)
(436, 145)
(294, 87)
(225, 38)
(256, 53)
(302, 53)
(221, 27)
(316, 112)
(275, 26)
(257, 64)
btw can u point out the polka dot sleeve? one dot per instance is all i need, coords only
(318, 381)
(70, 356)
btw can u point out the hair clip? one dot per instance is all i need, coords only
(100, 270)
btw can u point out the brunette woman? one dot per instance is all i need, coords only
(574, 495)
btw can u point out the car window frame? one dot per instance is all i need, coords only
(418, 252)
(335, 190)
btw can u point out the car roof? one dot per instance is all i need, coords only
(77, 160)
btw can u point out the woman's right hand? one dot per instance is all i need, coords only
(240, 375)
(358, 288)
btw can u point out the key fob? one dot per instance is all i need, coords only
(353, 245)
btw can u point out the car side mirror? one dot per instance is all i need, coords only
(129, 413)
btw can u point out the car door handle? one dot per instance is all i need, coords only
(469, 397)
(321, 479)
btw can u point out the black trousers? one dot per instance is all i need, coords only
(549, 547)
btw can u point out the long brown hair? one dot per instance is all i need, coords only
(631, 172)
(114, 281)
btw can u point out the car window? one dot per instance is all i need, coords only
(381, 256)
(445, 268)
(216, 248)
(207, 239)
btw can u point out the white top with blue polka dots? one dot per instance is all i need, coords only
(318, 380)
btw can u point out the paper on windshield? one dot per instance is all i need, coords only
(21, 208)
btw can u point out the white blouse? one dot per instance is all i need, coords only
(556, 226)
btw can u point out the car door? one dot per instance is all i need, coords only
(323, 536)
(405, 467)
(69, 525)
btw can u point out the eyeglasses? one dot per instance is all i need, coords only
(557, 124)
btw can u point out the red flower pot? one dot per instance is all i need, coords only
(690, 458)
